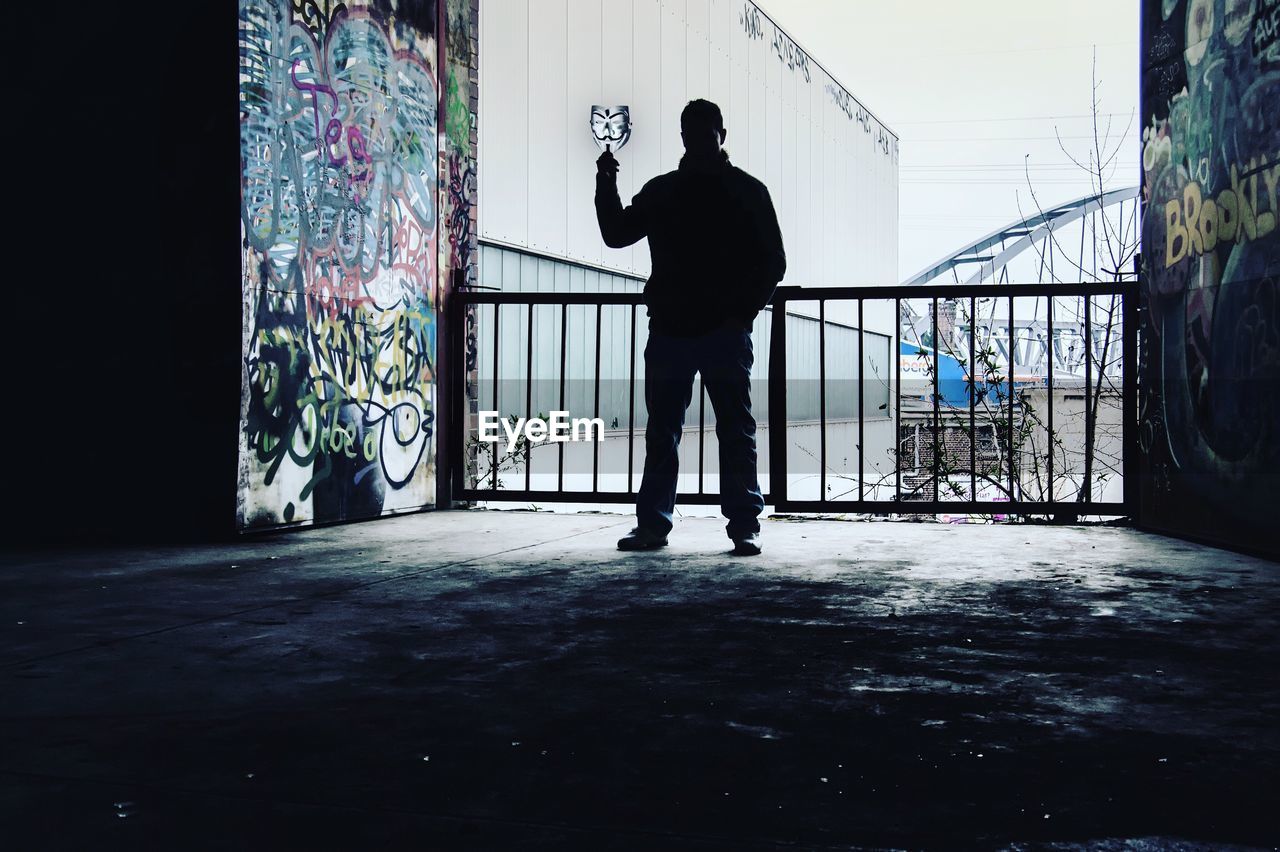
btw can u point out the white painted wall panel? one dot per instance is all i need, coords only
(827, 250)
(784, 193)
(771, 135)
(673, 59)
(757, 111)
(799, 265)
(846, 224)
(814, 239)
(718, 83)
(736, 110)
(503, 125)
(548, 123)
(618, 73)
(697, 50)
(643, 155)
(587, 38)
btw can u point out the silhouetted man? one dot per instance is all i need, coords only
(717, 256)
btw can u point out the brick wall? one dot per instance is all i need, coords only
(954, 441)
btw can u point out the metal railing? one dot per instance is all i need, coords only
(985, 444)
(986, 380)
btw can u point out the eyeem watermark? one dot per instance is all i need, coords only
(535, 430)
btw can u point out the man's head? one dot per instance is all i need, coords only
(702, 129)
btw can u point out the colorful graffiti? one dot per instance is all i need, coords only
(338, 149)
(1210, 430)
(462, 189)
(457, 201)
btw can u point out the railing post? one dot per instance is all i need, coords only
(822, 400)
(778, 401)
(862, 398)
(1086, 494)
(451, 446)
(1129, 401)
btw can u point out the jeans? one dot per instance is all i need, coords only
(724, 358)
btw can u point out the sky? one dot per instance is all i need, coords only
(978, 92)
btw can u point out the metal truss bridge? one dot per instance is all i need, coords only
(1110, 217)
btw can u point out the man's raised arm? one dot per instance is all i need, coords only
(619, 226)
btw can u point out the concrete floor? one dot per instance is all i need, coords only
(504, 680)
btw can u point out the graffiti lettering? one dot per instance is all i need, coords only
(864, 118)
(883, 139)
(1266, 31)
(841, 99)
(789, 53)
(334, 127)
(1194, 225)
(462, 187)
(749, 17)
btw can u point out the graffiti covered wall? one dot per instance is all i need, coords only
(458, 143)
(339, 265)
(1210, 359)
(458, 248)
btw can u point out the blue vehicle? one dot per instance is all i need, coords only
(953, 381)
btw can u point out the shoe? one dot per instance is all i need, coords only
(642, 539)
(747, 545)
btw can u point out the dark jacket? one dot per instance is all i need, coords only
(714, 242)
